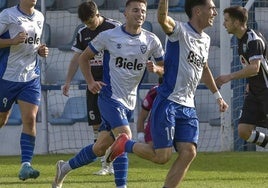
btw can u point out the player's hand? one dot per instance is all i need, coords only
(222, 80)
(223, 106)
(65, 89)
(95, 86)
(19, 38)
(151, 67)
(140, 137)
(43, 50)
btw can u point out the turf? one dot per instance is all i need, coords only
(209, 170)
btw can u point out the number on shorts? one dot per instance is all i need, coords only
(170, 132)
(91, 115)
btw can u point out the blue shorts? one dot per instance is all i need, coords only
(172, 122)
(25, 91)
(113, 113)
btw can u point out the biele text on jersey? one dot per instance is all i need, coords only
(18, 63)
(125, 58)
(186, 55)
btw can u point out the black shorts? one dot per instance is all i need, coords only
(255, 110)
(94, 117)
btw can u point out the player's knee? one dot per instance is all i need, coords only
(3, 120)
(2, 123)
(99, 149)
(162, 159)
(244, 132)
(189, 153)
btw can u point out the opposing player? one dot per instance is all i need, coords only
(20, 44)
(253, 53)
(174, 121)
(144, 122)
(126, 52)
(94, 24)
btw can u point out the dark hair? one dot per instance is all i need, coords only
(237, 13)
(130, 1)
(190, 4)
(87, 10)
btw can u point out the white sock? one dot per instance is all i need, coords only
(66, 167)
(252, 137)
(123, 186)
(28, 163)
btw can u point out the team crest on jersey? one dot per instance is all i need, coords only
(192, 41)
(143, 49)
(39, 24)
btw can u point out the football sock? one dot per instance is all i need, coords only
(27, 143)
(129, 146)
(120, 165)
(84, 157)
(258, 138)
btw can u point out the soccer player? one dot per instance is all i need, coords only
(20, 44)
(126, 52)
(94, 24)
(144, 133)
(174, 121)
(253, 53)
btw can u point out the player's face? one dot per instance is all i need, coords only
(228, 23)
(93, 23)
(207, 13)
(135, 14)
(29, 3)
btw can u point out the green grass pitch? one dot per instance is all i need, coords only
(209, 170)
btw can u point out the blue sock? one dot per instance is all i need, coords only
(129, 146)
(120, 165)
(27, 143)
(84, 157)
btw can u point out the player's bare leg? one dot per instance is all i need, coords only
(248, 133)
(106, 168)
(186, 154)
(4, 118)
(27, 140)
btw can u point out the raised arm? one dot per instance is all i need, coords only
(167, 23)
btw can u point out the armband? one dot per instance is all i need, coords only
(217, 95)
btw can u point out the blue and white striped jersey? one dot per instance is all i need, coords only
(125, 58)
(186, 54)
(18, 63)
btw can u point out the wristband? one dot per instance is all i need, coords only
(217, 95)
(141, 137)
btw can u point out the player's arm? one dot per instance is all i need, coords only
(250, 70)
(93, 86)
(72, 69)
(43, 50)
(19, 38)
(167, 23)
(157, 67)
(209, 81)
